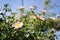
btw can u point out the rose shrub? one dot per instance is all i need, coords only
(27, 25)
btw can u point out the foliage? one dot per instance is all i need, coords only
(34, 26)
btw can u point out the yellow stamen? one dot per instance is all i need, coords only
(17, 24)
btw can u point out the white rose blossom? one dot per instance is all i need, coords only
(1, 12)
(32, 17)
(52, 18)
(54, 30)
(43, 11)
(17, 24)
(40, 17)
(21, 8)
(32, 8)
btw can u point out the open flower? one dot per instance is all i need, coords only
(40, 17)
(32, 17)
(43, 11)
(21, 8)
(52, 18)
(17, 24)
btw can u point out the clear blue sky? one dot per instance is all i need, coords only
(14, 4)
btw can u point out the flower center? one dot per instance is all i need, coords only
(18, 24)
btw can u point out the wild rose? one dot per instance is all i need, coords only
(1, 12)
(53, 30)
(32, 8)
(21, 8)
(40, 17)
(17, 24)
(52, 18)
(43, 11)
(32, 17)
